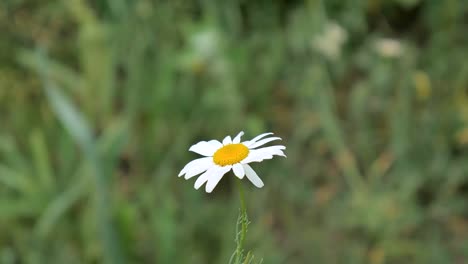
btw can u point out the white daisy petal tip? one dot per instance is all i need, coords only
(230, 154)
(227, 140)
(263, 142)
(260, 185)
(253, 177)
(206, 148)
(238, 137)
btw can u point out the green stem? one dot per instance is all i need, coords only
(241, 197)
(243, 221)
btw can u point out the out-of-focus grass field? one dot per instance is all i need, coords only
(101, 99)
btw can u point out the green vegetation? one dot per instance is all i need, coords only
(101, 99)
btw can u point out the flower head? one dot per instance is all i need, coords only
(389, 48)
(331, 41)
(221, 157)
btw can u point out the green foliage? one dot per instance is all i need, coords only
(100, 100)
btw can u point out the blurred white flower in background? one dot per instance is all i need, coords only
(330, 41)
(204, 52)
(205, 43)
(389, 48)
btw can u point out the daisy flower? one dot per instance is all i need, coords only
(221, 157)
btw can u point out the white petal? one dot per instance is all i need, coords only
(261, 136)
(271, 149)
(253, 140)
(216, 177)
(205, 176)
(206, 148)
(257, 155)
(227, 140)
(252, 176)
(198, 170)
(196, 166)
(238, 170)
(238, 137)
(263, 142)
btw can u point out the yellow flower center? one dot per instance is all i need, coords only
(230, 154)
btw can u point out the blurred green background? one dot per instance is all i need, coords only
(101, 99)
